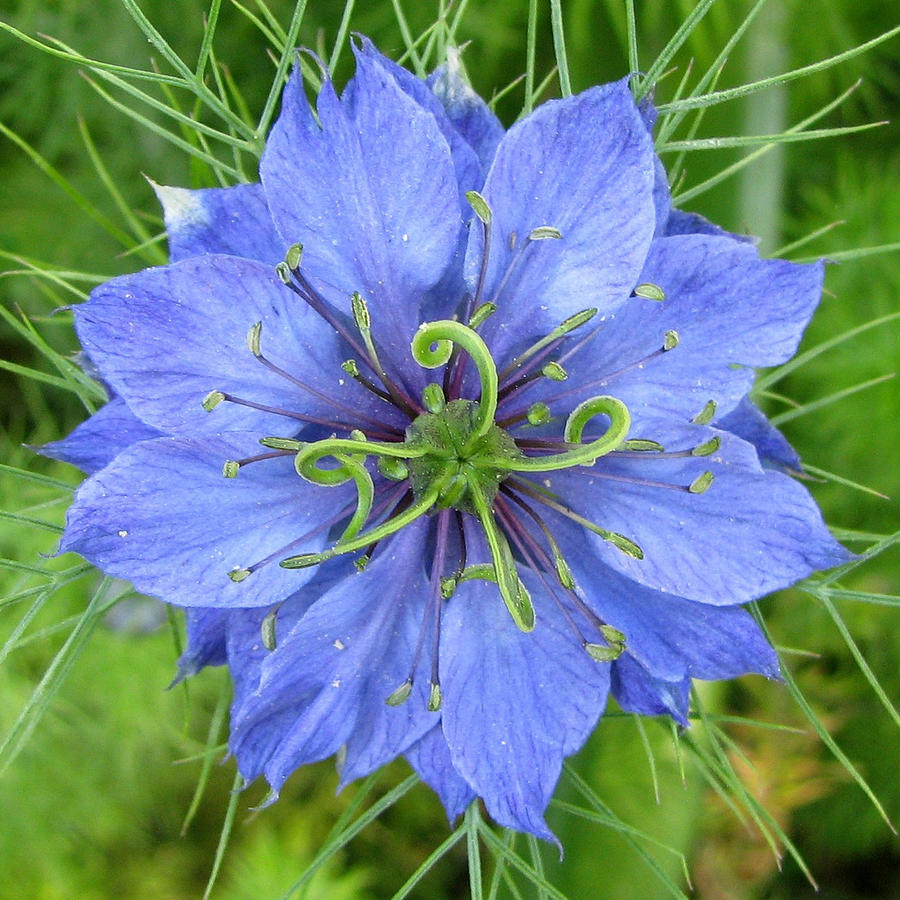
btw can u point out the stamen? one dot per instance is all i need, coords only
(231, 466)
(536, 414)
(433, 398)
(619, 541)
(599, 652)
(707, 448)
(565, 327)
(352, 369)
(483, 211)
(364, 323)
(267, 628)
(214, 398)
(541, 233)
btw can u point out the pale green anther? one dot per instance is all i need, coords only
(231, 468)
(701, 483)
(545, 233)
(361, 563)
(360, 312)
(293, 256)
(267, 629)
(561, 330)
(212, 400)
(482, 313)
(650, 291)
(642, 445)
(238, 575)
(253, 339)
(601, 653)
(433, 398)
(707, 447)
(670, 340)
(277, 443)
(707, 414)
(538, 414)
(401, 695)
(563, 572)
(393, 469)
(350, 367)
(613, 635)
(480, 206)
(282, 270)
(434, 698)
(620, 542)
(448, 586)
(554, 371)
(357, 435)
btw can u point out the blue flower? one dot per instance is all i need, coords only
(508, 462)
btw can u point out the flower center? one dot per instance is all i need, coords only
(454, 448)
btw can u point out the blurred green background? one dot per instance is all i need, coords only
(93, 806)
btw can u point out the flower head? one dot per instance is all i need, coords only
(440, 434)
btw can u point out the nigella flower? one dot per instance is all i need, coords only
(440, 434)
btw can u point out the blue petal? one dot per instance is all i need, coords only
(748, 423)
(750, 533)
(730, 309)
(636, 690)
(234, 221)
(515, 704)
(162, 516)
(471, 116)
(430, 757)
(681, 222)
(583, 165)
(371, 194)
(469, 172)
(96, 441)
(327, 682)
(165, 337)
(206, 630)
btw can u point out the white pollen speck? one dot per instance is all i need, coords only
(123, 533)
(336, 683)
(547, 482)
(339, 644)
(405, 238)
(341, 382)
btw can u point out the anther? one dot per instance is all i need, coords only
(434, 697)
(254, 339)
(706, 415)
(277, 443)
(538, 414)
(480, 206)
(642, 445)
(238, 575)
(670, 340)
(293, 256)
(212, 400)
(485, 311)
(649, 291)
(554, 371)
(700, 485)
(230, 468)
(401, 695)
(267, 629)
(707, 448)
(545, 233)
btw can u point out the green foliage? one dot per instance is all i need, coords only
(93, 801)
